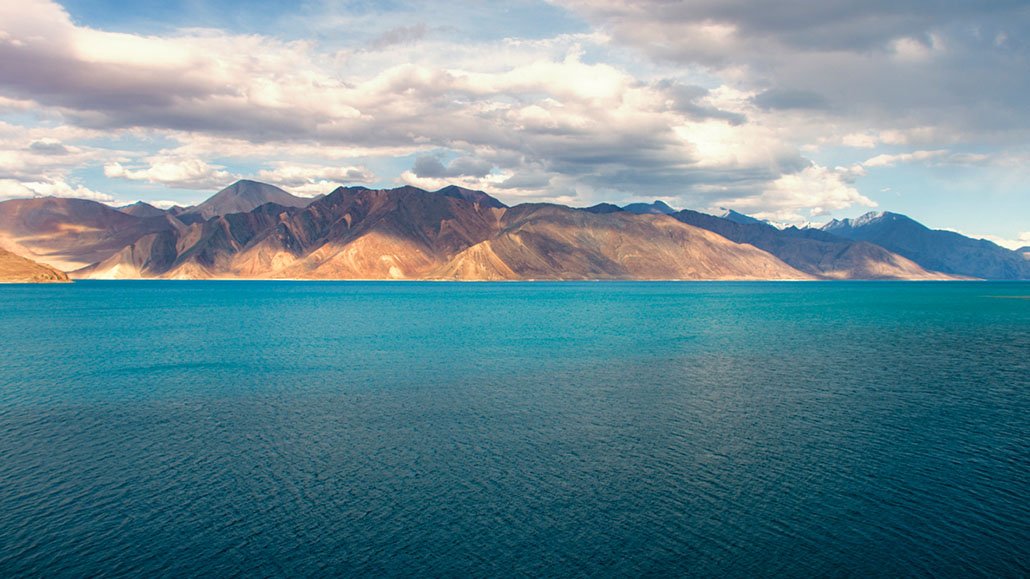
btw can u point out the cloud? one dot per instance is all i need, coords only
(431, 166)
(258, 90)
(886, 160)
(903, 63)
(939, 156)
(526, 180)
(536, 106)
(529, 118)
(11, 189)
(790, 99)
(38, 161)
(859, 140)
(48, 147)
(724, 102)
(33, 155)
(177, 173)
(695, 102)
(399, 35)
(292, 175)
(819, 190)
(311, 180)
(1021, 240)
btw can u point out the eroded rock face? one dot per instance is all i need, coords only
(17, 269)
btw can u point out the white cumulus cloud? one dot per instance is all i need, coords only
(177, 173)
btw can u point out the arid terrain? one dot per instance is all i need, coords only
(17, 269)
(252, 230)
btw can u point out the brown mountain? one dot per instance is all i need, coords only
(557, 242)
(203, 249)
(142, 209)
(408, 233)
(71, 233)
(241, 197)
(351, 233)
(17, 269)
(403, 233)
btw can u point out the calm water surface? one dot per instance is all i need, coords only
(713, 429)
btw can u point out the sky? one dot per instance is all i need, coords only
(792, 111)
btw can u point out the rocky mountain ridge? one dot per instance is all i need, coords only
(938, 250)
(410, 233)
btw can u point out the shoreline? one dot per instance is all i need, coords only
(534, 280)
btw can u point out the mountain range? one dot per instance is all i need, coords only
(812, 251)
(943, 251)
(256, 230)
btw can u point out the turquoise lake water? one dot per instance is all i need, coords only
(711, 429)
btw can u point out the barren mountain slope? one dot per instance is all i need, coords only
(71, 233)
(813, 251)
(556, 242)
(17, 269)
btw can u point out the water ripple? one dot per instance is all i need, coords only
(515, 429)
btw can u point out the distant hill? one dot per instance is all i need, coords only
(737, 217)
(812, 251)
(142, 209)
(602, 208)
(656, 208)
(17, 269)
(243, 196)
(944, 251)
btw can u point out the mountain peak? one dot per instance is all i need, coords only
(657, 207)
(142, 209)
(243, 196)
(245, 188)
(603, 208)
(934, 249)
(869, 219)
(453, 191)
(472, 195)
(737, 217)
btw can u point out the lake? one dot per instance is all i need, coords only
(165, 428)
